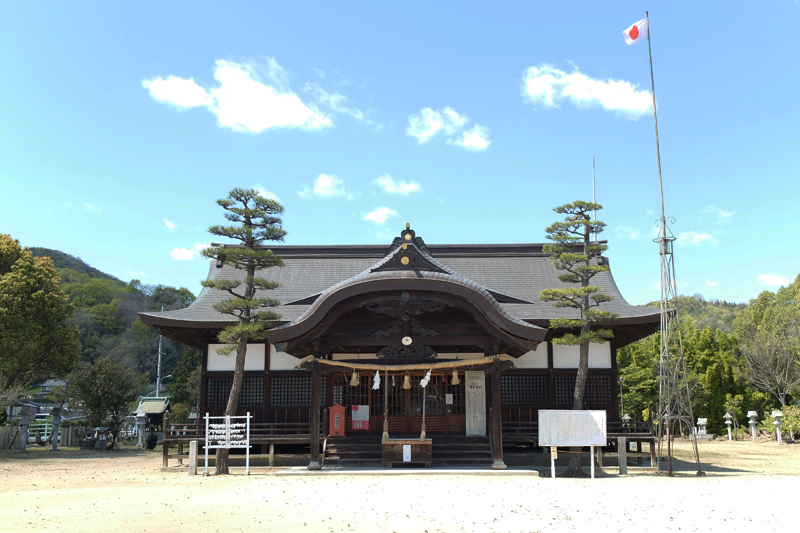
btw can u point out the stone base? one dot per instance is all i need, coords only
(499, 465)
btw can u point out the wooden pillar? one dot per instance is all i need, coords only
(313, 419)
(497, 428)
(164, 444)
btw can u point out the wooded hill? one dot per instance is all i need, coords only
(64, 260)
(702, 313)
(106, 313)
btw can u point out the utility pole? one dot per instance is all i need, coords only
(158, 372)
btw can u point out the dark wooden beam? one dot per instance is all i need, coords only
(467, 340)
(313, 417)
(497, 428)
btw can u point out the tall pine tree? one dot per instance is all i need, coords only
(254, 221)
(572, 251)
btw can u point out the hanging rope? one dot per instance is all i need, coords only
(418, 366)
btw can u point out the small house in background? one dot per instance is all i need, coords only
(154, 409)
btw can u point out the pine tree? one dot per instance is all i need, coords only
(572, 251)
(255, 220)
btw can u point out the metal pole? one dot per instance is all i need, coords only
(158, 373)
(594, 199)
(655, 118)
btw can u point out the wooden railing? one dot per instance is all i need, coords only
(258, 431)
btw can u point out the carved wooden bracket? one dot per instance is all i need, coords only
(415, 329)
(407, 352)
(403, 309)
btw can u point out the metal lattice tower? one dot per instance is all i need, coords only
(674, 398)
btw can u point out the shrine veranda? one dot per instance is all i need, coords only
(403, 310)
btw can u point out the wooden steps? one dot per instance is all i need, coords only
(448, 450)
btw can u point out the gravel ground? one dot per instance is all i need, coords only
(747, 487)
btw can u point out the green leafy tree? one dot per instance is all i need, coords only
(574, 252)
(255, 221)
(106, 391)
(768, 330)
(37, 339)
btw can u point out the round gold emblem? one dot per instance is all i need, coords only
(407, 341)
(408, 236)
(404, 260)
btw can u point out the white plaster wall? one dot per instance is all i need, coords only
(569, 356)
(254, 360)
(533, 359)
(281, 360)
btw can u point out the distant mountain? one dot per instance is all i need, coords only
(703, 313)
(64, 260)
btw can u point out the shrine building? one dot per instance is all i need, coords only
(469, 314)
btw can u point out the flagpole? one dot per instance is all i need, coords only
(668, 295)
(655, 117)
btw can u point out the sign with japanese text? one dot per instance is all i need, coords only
(360, 418)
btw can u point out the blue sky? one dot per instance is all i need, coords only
(121, 125)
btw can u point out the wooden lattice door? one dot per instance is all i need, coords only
(445, 403)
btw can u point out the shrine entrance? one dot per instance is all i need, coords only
(445, 411)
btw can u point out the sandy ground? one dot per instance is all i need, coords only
(754, 487)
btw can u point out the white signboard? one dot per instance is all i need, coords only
(228, 432)
(475, 382)
(406, 453)
(360, 418)
(572, 428)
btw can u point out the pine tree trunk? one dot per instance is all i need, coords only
(574, 469)
(221, 458)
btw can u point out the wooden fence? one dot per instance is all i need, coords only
(70, 436)
(7, 434)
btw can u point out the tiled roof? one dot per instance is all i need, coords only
(152, 405)
(520, 271)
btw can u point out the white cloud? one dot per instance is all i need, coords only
(627, 231)
(720, 213)
(711, 284)
(430, 123)
(185, 254)
(248, 98)
(326, 186)
(265, 193)
(380, 215)
(387, 183)
(773, 280)
(337, 103)
(696, 238)
(547, 86)
(476, 139)
(180, 92)
(170, 225)
(92, 208)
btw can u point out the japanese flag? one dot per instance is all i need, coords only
(635, 32)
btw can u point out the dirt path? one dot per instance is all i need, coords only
(748, 486)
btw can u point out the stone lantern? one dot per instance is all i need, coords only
(777, 415)
(728, 422)
(752, 415)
